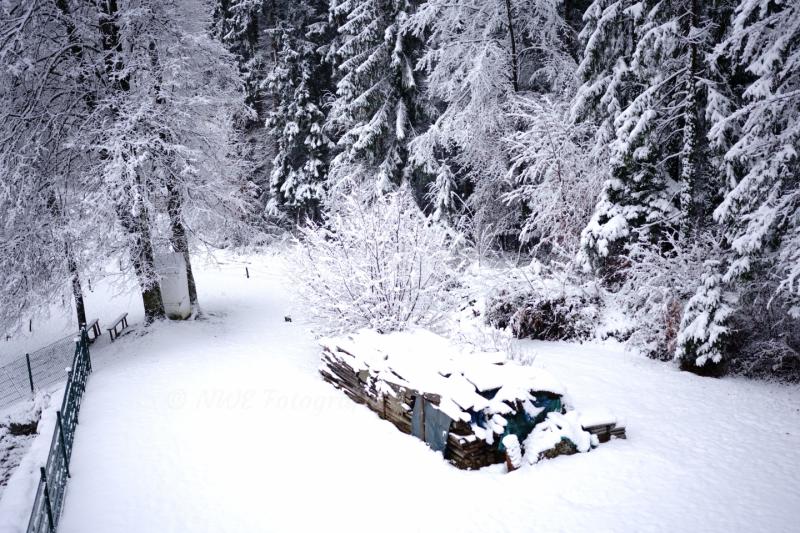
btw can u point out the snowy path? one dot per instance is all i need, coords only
(224, 425)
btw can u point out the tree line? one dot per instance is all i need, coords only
(652, 144)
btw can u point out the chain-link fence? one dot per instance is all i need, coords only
(35, 371)
(53, 476)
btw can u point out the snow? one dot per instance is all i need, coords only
(16, 500)
(427, 362)
(555, 428)
(108, 297)
(224, 424)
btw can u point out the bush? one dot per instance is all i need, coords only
(555, 319)
(543, 306)
(767, 359)
(658, 281)
(766, 339)
(377, 262)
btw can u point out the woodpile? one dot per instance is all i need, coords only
(479, 395)
(604, 432)
(464, 449)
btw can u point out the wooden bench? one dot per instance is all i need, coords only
(122, 320)
(604, 432)
(93, 329)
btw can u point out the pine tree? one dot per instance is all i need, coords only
(755, 114)
(243, 27)
(654, 97)
(298, 82)
(444, 193)
(704, 327)
(375, 109)
(760, 211)
(239, 25)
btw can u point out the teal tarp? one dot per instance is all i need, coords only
(437, 424)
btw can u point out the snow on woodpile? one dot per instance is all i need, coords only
(460, 401)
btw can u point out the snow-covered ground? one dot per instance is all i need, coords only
(223, 424)
(107, 298)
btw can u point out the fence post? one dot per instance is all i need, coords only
(63, 444)
(47, 501)
(85, 343)
(30, 373)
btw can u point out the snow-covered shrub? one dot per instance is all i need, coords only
(659, 279)
(684, 309)
(501, 307)
(377, 262)
(767, 359)
(560, 318)
(554, 180)
(766, 337)
(545, 303)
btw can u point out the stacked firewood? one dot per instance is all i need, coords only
(464, 449)
(367, 375)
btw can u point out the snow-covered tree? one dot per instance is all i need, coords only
(480, 56)
(298, 82)
(756, 121)
(704, 328)
(117, 121)
(188, 122)
(241, 25)
(553, 177)
(607, 38)
(645, 86)
(43, 90)
(761, 211)
(375, 109)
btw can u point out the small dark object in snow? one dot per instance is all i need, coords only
(604, 432)
(287, 318)
(28, 428)
(564, 447)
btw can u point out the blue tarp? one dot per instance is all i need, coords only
(437, 424)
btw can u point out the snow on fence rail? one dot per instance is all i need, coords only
(53, 476)
(37, 370)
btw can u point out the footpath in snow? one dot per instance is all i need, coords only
(224, 424)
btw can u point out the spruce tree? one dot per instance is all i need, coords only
(375, 108)
(653, 98)
(298, 83)
(239, 25)
(756, 121)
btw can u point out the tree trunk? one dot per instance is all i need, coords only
(514, 66)
(179, 241)
(77, 290)
(690, 129)
(136, 225)
(76, 50)
(143, 258)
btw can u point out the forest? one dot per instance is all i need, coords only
(639, 155)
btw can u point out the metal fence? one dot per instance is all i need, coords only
(53, 477)
(37, 370)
